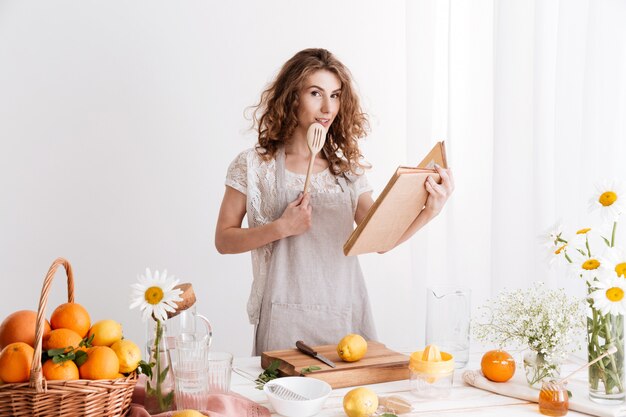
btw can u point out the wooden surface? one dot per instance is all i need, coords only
(378, 365)
(465, 400)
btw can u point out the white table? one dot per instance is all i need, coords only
(464, 400)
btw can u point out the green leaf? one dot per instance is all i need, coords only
(270, 373)
(309, 369)
(569, 394)
(163, 374)
(56, 352)
(145, 368)
(87, 341)
(388, 415)
(169, 398)
(80, 357)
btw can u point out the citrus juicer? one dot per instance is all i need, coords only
(431, 373)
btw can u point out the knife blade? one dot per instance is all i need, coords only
(306, 349)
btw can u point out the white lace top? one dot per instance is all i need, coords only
(256, 178)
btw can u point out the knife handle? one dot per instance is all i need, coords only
(304, 348)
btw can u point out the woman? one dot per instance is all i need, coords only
(304, 288)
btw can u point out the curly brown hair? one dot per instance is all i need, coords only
(275, 116)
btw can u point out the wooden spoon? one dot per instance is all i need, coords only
(315, 138)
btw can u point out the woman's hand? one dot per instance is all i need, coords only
(296, 219)
(438, 193)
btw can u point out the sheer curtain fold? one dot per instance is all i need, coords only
(536, 114)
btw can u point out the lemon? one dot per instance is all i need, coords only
(128, 354)
(188, 413)
(360, 402)
(105, 332)
(352, 348)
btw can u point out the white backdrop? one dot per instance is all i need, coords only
(118, 120)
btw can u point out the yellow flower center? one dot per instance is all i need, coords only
(559, 250)
(607, 198)
(154, 295)
(591, 264)
(615, 294)
(620, 269)
(583, 231)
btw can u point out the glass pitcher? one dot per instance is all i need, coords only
(448, 321)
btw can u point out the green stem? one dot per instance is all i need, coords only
(609, 341)
(587, 245)
(157, 358)
(613, 234)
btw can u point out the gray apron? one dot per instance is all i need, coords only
(313, 292)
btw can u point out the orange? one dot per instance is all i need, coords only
(64, 371)
(15, 362)
(71, 316)
(497, 366)
(20, 327)
(61, 338)
(101, 363)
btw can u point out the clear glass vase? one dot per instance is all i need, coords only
(160, 386)
(538, 369)
(606, 377)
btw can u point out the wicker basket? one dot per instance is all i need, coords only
(39, 398)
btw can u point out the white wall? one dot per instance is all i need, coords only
(118, 120)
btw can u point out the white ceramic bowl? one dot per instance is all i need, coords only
(316, 390)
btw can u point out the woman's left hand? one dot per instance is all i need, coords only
(438, 193)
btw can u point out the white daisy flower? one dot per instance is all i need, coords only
(610, 296)
(155, 295)
(609, 199)
(616, 261)
(587, 267)
(553, 236)
(555, 244)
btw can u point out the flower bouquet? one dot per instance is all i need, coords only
(592, 255)
(544, 321)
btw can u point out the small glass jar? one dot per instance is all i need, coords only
(553, 398)
(431, 373)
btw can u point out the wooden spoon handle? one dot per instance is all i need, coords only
(308, 173)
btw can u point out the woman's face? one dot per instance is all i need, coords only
(320, 98)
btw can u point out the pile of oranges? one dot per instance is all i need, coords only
(73, 347)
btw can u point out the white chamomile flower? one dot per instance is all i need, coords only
(616, 261)
(609, 296)
(155, 295)
(587, 267)
(608, 199)
(552, 236)
(555, 244)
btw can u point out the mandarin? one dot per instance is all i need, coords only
(20, 327)
(63, 371)
(71, 316)
(497, 366)
(61, 338)
(15, 362)
(101, 363)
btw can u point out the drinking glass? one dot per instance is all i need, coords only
(192, 372)
(220, 368)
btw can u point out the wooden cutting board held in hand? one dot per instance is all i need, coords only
(378, 365)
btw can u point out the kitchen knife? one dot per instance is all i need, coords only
(304, 348)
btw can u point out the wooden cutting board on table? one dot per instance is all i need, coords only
(378, 365)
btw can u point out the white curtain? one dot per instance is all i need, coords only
(534, 115)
